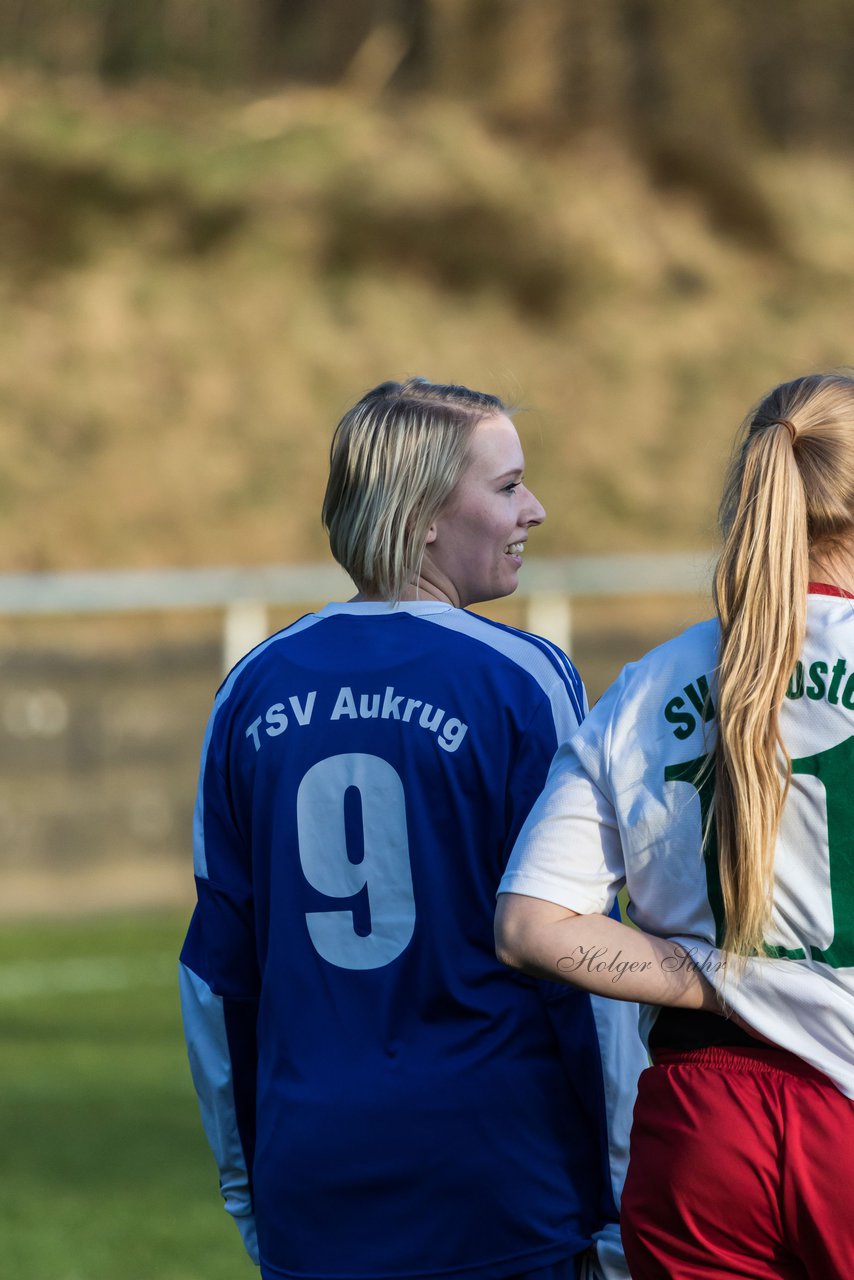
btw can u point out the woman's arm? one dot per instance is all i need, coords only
(598, 954)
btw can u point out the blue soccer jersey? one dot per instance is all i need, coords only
(384, 1098)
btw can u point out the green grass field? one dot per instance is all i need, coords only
(104, 1169)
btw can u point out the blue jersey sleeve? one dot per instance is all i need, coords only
(219, 987)
(531, 765)
(599, 1041)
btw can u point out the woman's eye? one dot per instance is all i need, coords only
(512, 487)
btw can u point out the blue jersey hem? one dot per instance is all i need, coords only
(496, 1269)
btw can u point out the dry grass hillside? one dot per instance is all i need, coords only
(193, 288)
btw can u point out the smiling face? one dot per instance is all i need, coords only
(475, 544)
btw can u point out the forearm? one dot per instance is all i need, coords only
(599, 955)
(608, 958)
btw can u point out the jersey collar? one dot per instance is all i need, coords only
(825, 589)
(374, 608)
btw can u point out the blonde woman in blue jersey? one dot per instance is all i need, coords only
(384, 1099)
(716, 780)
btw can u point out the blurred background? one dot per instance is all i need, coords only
(221, 223)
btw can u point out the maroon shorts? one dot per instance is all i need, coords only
(742, 1166)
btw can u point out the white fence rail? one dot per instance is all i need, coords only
(245, 595)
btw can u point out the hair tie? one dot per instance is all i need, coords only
(790, 427)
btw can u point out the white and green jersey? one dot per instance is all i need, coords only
(625, 803)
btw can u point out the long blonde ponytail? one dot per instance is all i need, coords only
(790, 488)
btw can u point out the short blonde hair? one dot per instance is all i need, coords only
(396, 457)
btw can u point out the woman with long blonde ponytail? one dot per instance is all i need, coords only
(787, 489)
(715, 780)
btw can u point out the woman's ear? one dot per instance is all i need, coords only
(431, 535)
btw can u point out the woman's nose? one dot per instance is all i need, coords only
(535, 512)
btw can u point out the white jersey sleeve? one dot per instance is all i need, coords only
(579, 866)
